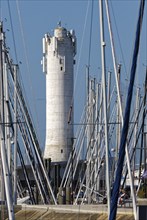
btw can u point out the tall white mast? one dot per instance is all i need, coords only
(6, 171)
(105, 99)
(15, 133)
(120, 107)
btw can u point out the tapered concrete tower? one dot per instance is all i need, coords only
(58, 61)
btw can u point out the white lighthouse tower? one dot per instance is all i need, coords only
(58, 60)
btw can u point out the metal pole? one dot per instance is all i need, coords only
(96, 133)
(108, 96)
(136, 126)
(99, 129)
(120, 106)
(105, 99)
(118, 119)
(88, 126)
(113, 56)
(89, 121)
(7, 116)
(32, 134)
(2, 131)
(15, 134)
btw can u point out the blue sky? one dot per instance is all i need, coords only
(32, 19)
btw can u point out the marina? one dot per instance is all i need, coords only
(93, 169)
(61, 212)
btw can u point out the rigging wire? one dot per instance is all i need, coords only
(136, 83)
(13, 37)
(78, 65)
(90, 34)
(115, 23)
(15, 50)
(80, 51)
(27, 65)
(1, 10)
(121, 49)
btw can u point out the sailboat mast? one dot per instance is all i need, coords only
(6, 171)
(15, 134)
(120, 105)
(105, 99)
(123, 147)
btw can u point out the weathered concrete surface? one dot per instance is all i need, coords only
(70, 212)
(52, 215)
(4, 212)
(77, 208)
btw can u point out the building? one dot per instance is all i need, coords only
(58, 61)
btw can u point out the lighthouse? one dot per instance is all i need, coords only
(58, 61)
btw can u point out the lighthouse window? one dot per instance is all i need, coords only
(61, 68)
(61, 151)
(61, 61)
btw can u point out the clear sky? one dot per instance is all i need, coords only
(29, 20)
